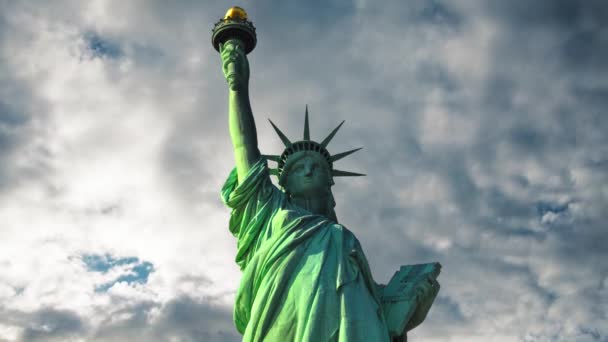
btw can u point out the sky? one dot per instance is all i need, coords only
(483, 129)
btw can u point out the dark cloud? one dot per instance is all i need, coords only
(198, 321)
(16, 135)
(182, 318)
(20, 111)
(45, 324)
(53, 325)
(11, 122)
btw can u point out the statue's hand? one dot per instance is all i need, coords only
(425, 296)
(234, 64)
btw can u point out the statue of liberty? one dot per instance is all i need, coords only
(305, 276)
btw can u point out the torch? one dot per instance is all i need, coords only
(234, 25)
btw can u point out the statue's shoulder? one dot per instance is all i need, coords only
(285, 214)
(348, 234)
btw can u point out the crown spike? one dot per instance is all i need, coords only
(272, 157)
(339, 156)
(285, 140)
(340, 173)
(306, 128)
(331, 135)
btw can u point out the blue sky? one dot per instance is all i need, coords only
(484, 132)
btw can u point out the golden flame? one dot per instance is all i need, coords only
(236, 13)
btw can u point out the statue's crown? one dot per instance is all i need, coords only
(309, 146)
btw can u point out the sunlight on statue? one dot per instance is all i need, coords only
(305, 276)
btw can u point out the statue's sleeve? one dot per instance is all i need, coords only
(253, 203)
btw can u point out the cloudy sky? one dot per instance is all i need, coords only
(484, 129)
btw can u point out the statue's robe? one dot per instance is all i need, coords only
(305, 277)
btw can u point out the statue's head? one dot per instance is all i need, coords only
(307, 178)
(307, 174)
(305, 168)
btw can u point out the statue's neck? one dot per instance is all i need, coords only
(316, 205)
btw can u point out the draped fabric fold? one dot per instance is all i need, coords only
(305, 277)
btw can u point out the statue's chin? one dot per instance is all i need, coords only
(310, 191)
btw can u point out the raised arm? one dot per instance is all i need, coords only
(240, 118)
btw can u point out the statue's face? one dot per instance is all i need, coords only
(308, 176)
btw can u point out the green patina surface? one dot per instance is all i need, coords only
(305, 276)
